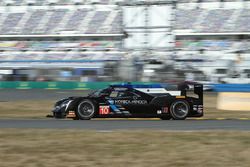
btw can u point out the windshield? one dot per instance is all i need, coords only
(97, 92)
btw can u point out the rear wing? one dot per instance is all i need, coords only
(198, 89)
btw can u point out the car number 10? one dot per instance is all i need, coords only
(104, 110)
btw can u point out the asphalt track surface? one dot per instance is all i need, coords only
(108, 124)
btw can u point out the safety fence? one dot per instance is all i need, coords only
(57, 85)
(99, 85)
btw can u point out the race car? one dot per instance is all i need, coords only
(132, 101)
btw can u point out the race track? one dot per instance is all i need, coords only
(109, 125)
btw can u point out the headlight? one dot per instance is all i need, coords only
(64, 104)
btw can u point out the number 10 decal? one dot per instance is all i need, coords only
(104, 110)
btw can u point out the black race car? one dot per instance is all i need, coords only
(133, 101)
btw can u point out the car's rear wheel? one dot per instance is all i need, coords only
(179, 109)
(86, 110)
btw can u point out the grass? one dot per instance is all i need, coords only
(77, 148)
(40, 108)
(26, 109)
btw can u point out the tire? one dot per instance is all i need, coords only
(166, 117)
(86, 110)
(179, 109)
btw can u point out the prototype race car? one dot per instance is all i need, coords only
(132, 101)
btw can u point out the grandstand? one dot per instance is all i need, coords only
(39, 20)
(59, 34)
(229, 22)
(213, 32)
(89, 34)
(54, 2)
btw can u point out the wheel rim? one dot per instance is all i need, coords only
(86, 109)
(180, 109)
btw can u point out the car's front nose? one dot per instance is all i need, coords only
(61, 107)
(65, 104)
(56, 109)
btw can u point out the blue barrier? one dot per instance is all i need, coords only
(231, 87)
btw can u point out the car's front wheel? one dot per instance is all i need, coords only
(179, 109)
(86, 110)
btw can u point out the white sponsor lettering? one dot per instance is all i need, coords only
(130, 102)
